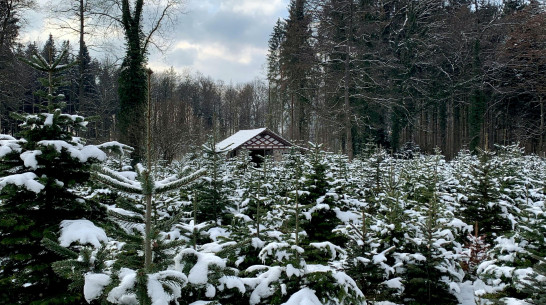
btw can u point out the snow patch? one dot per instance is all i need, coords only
(231, 282)
(94, 285)
(199, 272)
(29, 158)
(305, 296)
(82, 231)
(24, 179)
(121, 294)
(395, 283)
(157, 282)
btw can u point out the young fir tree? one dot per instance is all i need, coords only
(318, 203)
(433, 262)
(150, 279)
(388, 228)
(140, 271)
(368, 258)
(242, 246)
(253, 227)
(533, 286)
(289, 267)
(517, 259)
(482, 201)
(533, 230)
(39, 173)
(211, 192)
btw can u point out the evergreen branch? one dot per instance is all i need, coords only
(538, 258)
(40, 61)
(115, 175)
(159, 188)
(184, 171)
(55, 247)
(231, 248)
(18, 116)
(72, 270)
(130, 238)
(55, 68)
(195, 227)
(114, 146)
(68, 268)
(168, 222)
(357, 231)
(116, 184)
(170, 245)
(130, 205)
(140, 169)
(58, 61)
(34, 63)
(126, 218)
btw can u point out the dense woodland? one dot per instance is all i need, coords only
(451, 74)
(165, 220)
(447, 74)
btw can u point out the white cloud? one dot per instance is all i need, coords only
(225, 39)
(254, 7)
(243, 55)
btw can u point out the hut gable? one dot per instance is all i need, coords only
(261, 138)
(261, 141)
(239, 138)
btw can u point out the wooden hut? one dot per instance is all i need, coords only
(260, 142)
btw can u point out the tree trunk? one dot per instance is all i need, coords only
(541, 139)
(148, 179)
(348, 133)
(292, 122)
(80, 55)
(7, 19)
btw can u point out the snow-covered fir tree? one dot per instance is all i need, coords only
(211, 192)
(39, 173)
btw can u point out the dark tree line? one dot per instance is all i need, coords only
(397, 73)
(451, 74)
(99, 100)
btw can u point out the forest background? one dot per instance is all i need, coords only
(399, 73)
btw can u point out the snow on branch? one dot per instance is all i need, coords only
(115, 147)
(9, 144)
(169, 186)
(116, 181)
(25, 179)
(329, 247)
(94, 285)
(119, 182)
(80, 152)
(82, 231)
(199, 273)
(304, 296)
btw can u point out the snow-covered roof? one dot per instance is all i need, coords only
(239, 138)
(243, 136)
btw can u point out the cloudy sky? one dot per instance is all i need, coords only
(224, 39)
